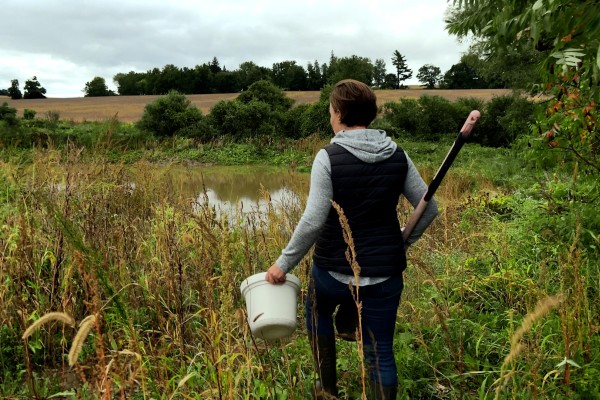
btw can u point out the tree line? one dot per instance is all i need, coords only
(288, 75)
(211, 77)
(32, 90)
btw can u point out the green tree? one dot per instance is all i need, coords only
(33, 89)
(567, 33)
(390, 81)
(4, 92)
(186, 80)
(314, 79)
(353, 67)
(249, 73)
(289, 76)
(214, 65)
(462, 76)
(226, 82)
(325, 73)
(402, 71)
(131, 83)
(169, 80)
(152, 79)
(13, 91)
(429, 75)
(201, 79)
(96, 88)
(514, 68)
(379, 72)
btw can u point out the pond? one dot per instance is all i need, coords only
(240, 188)
(230, 190)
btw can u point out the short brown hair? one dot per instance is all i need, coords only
(355, 101)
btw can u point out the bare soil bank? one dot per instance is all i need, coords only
(130, 108)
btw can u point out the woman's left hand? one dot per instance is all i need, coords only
(275, 275)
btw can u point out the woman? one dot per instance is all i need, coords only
(364, 172)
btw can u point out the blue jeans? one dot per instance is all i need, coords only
(378, 316)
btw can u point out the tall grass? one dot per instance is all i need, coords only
(160, 273)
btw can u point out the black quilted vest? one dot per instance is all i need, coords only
(368, 193)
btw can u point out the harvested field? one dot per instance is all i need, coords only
(130, 108)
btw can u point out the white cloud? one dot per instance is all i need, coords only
(65, 43)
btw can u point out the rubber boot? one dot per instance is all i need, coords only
(324, 355)
(379, 392)
(346, 321)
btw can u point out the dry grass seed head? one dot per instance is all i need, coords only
(84, 329)
(53, 316)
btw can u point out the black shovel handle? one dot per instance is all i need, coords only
(439, 175)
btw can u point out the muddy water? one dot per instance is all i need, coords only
(246, 188)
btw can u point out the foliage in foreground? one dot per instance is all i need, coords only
(501, 297)
(567, 35)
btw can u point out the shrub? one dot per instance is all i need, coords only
(465, 105)
(8, 114)
(238, 119)
(518, 118)
(52, 119)
(293, 121)
(315, 119)
(203, 131)
(325, 93)
(440, 115)
(268, 93)
(169, 114)
(503, 120)
(386, 126)
(29, 114)
(406, 116)
(262, 110)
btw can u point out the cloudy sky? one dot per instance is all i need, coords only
(66, 43)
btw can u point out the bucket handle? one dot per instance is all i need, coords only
(258, 316)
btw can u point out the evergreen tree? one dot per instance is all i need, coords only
(315, 78)
(214, 66)
(402, 71)
(379, 73)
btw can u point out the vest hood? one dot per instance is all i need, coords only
(368, 145)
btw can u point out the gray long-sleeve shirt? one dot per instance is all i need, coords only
(368, 145)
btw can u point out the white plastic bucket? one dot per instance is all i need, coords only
(271, 309)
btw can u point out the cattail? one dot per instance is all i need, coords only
(53, 316)
(84, 329)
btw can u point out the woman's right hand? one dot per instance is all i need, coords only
(275, 275)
